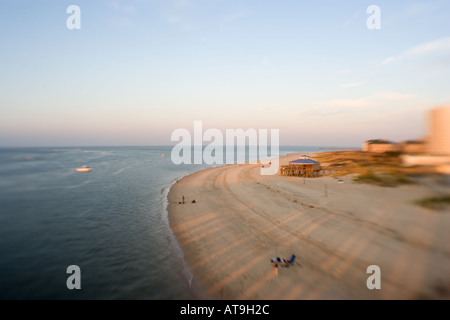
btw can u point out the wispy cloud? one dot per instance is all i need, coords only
(425, 49)
(419, 9)
(337, 107)
(123, 12)
(344, 72)
(121, 6)
(178, 13)
(172, 19)
(239, 14)
(344, 107)
(231, 17)
(393, 96)
(345, 103)
(355, 17)
(181, 3)
(351, 85)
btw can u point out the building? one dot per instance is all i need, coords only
(380, 146)
(413, 146)
(439, 131)
(303, 167)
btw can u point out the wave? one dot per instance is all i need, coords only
(187, 272)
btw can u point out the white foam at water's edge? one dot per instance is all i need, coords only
(187, 272)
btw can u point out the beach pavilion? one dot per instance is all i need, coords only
(303, 167)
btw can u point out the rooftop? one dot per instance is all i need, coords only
(304, 161)
(379, 141)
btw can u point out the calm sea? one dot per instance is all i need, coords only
(111, 222)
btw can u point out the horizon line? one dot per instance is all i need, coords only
(165, 145)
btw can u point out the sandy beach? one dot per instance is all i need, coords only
(336, 229)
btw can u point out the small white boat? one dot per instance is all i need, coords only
(84, 169)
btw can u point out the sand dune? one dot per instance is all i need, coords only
(241, 220)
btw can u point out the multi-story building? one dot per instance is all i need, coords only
(439, 131)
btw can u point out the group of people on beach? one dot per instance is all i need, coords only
(283, 262)
(183, 200)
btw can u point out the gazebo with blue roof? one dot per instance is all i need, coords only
(303, 167)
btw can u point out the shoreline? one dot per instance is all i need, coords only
(241, 220)
(196, 289)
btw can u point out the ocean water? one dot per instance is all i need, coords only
(111, 222)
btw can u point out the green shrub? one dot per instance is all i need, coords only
(435, 203)
(388, 179)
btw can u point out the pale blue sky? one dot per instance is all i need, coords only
(139, 69)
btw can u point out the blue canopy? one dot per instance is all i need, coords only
(304, 161)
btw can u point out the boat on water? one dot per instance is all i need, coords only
(84, 169)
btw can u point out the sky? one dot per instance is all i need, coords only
(137, 70)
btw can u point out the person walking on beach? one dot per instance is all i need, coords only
(182, 200)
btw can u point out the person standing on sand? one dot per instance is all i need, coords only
(182, 200)
(275, 267)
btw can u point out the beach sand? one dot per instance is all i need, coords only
(242, 219)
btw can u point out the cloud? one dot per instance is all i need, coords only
(389, 60)
(234, 16)
(422, 50)
(181, 3)
(344, 72)
(121, 7)
(380, 102)
(355, 16)
(173, 19)
(394, 96)
(351, 85)
(337, 107)
(345, 103)
(177, 13)
(419, 9)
